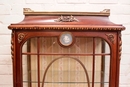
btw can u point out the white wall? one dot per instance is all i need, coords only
(11, 12)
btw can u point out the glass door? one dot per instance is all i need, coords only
(85, 63)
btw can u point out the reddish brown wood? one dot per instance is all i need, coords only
(86, 26)
(38, 61)
(93, 64)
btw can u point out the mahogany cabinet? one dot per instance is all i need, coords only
(66, 49)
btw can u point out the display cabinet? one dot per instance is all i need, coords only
(66, 49)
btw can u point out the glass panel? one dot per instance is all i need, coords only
(101, 46)
(102, 66)
(29, 70)
(25, 84)
(66, 71)
(30, 46)
(63, 71)
(51, 45)
(34, 84)
(25, 67)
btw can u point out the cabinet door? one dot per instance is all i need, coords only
(85, 63)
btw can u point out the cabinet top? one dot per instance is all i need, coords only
(66, 21)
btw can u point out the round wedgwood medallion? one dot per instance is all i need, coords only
(66, 39)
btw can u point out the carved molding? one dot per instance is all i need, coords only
(120, 46)
(66, 19)
(21, 37)
(65, 28)
(12, 46)
(111, 37)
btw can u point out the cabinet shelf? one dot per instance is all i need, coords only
(62, 82)
(69, 77)
(79, 54)
(65, 71)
